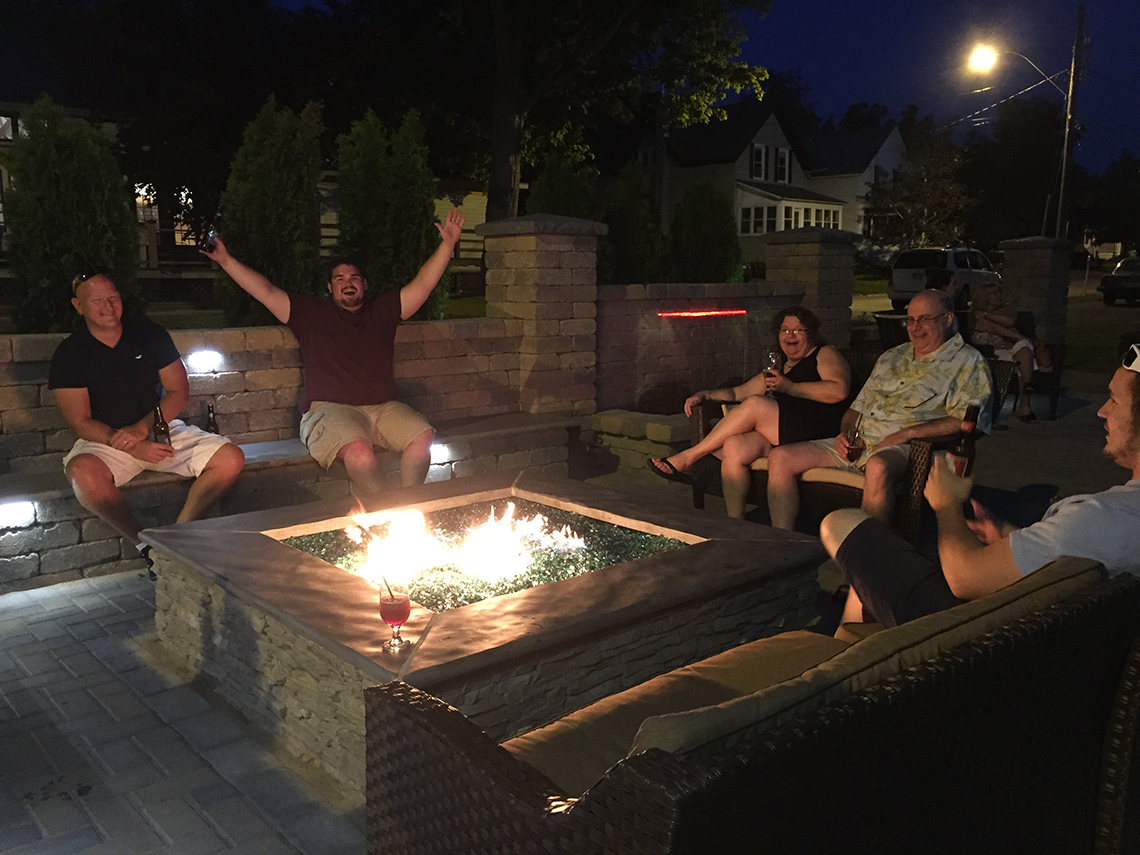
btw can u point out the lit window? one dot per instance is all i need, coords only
(7, 127)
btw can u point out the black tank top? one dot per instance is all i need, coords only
(802, 419)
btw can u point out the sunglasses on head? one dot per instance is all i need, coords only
(86, 277)
(1131, 359)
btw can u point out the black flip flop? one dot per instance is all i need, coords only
(674, 474)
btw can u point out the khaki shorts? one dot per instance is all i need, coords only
(860, 464)
(193, 448)
(327, 428)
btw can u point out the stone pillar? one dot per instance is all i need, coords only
(542, 269)
(1035, 278)
(821, 262)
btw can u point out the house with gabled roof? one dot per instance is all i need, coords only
(776, 182)
(847, 164)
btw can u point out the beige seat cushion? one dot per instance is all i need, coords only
(875, 658)
(577, 749)
(820, 475)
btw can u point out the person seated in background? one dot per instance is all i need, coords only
(994, 326)
(919, 389)
(891, 582)
(805, 400)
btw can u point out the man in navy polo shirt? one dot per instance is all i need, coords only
(108, 377)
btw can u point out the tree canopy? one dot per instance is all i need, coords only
(557, 64)
(69, 213)
(272, 214)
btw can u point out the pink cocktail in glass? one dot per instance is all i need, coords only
(395, 607)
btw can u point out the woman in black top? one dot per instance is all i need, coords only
(805, 400)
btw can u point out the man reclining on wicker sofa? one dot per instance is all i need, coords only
(892, 583)
(916, 390)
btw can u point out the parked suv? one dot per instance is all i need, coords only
(908, 273)
(1123, 283)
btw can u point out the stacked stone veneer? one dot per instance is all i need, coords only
(536, 691)
(310, 698)
(650, 363)
(1035, 278)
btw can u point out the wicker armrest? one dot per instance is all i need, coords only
(702, 418)
(909, 514)
(460, 783)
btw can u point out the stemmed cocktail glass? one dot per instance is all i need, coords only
(395, 607)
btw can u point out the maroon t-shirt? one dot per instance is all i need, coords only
(348, 355)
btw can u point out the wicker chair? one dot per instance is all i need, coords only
(1022, 740)
(825, 490)
(1049, 382)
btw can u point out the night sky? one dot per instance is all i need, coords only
(896, 52)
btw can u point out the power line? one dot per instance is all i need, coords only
(972, 116)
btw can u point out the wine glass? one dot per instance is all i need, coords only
(772, 361)
(395, 607)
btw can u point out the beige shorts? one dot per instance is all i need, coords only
(327, 428)
(860, 464)
(193, 448)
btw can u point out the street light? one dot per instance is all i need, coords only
(983, 59)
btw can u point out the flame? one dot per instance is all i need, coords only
(399, 545)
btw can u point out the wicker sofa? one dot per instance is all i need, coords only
(1003, 725)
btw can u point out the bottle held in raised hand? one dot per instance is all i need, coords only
(161, 428)
(962, 450)
(210, 241)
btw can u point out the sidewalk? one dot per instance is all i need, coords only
(104, 754)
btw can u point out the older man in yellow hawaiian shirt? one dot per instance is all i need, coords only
(920, 389)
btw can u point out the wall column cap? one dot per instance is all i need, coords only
(541, 224)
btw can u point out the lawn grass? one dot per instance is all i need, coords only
(465, 307)
(866, 283)
(1095, 345)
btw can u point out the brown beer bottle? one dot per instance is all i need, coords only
(211, 419)
(962, 451)
(161, 428)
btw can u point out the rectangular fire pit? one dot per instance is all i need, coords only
(292, 641)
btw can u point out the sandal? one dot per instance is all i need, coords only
(655, 465)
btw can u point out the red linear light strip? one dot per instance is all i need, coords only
(707, 313)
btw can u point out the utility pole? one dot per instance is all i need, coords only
(1076, 65)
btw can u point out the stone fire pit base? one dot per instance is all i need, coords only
(291, 642)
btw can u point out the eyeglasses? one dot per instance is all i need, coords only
(923, 320)
(796, 331)
(1131, 359)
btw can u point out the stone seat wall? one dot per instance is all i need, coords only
(46, 536)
